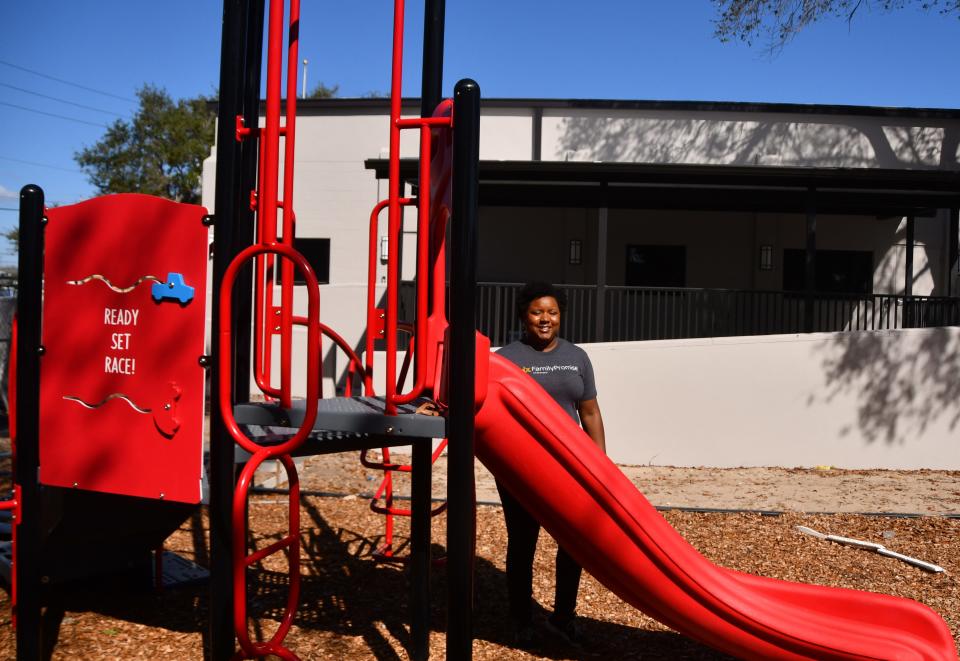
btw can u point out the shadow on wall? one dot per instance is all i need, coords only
(730, 139)
(902, 382)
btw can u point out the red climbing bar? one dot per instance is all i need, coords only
(313, 347)
(241, 560)
(375, 320)
(286, 274)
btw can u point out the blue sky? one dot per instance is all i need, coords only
(100, 52)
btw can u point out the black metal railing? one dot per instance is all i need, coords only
(646, 313)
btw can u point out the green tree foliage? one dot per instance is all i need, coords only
(159, 152)
(779, 21)
(13, 237)
(321, 91)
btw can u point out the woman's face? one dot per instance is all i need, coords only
(541, 322)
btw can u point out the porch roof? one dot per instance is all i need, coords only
(874, 191)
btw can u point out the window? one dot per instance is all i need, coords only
(317, 252)
(837, 271)
(656, 266)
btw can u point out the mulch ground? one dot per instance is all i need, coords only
(353, 607)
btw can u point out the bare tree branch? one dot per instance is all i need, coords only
(777, 22)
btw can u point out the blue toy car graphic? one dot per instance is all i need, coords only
(174, 289)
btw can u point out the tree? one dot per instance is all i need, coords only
(159, 152)
(321, 91)
(779, 21)
(13, 237)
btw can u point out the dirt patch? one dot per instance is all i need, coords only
(779, 489)
(354, 607)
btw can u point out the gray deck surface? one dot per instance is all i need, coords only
(342, 423)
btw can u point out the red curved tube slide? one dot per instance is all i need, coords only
(603, 521)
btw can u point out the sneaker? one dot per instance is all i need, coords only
(565, 629)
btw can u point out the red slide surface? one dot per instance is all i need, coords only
(602, 520)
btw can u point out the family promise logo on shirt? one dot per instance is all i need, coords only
(547, 369)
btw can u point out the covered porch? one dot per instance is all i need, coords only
(653, 251)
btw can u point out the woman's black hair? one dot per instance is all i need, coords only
(534, 290)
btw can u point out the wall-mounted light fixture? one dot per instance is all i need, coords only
(766, 258)
(384, 248)
(576, 251)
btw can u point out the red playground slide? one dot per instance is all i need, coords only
(604, 522)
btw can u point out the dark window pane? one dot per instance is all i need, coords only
(837, 271)
(317, 252)
(656, 266)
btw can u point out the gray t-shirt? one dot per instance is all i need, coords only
(565, 373)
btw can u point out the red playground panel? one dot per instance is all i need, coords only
(122, 388)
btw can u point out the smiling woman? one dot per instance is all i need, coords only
(565, 372)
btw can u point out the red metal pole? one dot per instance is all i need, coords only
(373, 324)
(286, 279)
(394, 221)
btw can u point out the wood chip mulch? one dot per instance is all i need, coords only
(353, 607)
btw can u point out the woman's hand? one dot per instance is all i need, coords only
(427, 408)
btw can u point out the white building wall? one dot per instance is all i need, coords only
(742, 138)
(850, 400)
(506, 134)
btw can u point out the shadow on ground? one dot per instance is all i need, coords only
(346, 596)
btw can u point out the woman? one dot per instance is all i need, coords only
(565, 372)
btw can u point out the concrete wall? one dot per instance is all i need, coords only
(887, 399)
(852, 400)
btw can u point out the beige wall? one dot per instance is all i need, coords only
(850, 400)
(741, 138)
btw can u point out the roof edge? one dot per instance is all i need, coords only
(641, 104)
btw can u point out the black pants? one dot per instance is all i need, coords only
(522, 533)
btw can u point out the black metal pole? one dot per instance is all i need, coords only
(420, 549)
(29, 348)
(243, 232)
(432, 83)
(461, 497)
(810, 262)
(228, 204)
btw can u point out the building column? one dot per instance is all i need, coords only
(600, 326)
(810, 261)
(536, 137)
(953, 249)
(908, 260)
(908, 276)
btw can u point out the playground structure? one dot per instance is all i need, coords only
(520, 434)
(141, 404)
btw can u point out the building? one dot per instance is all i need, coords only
(740, 271)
